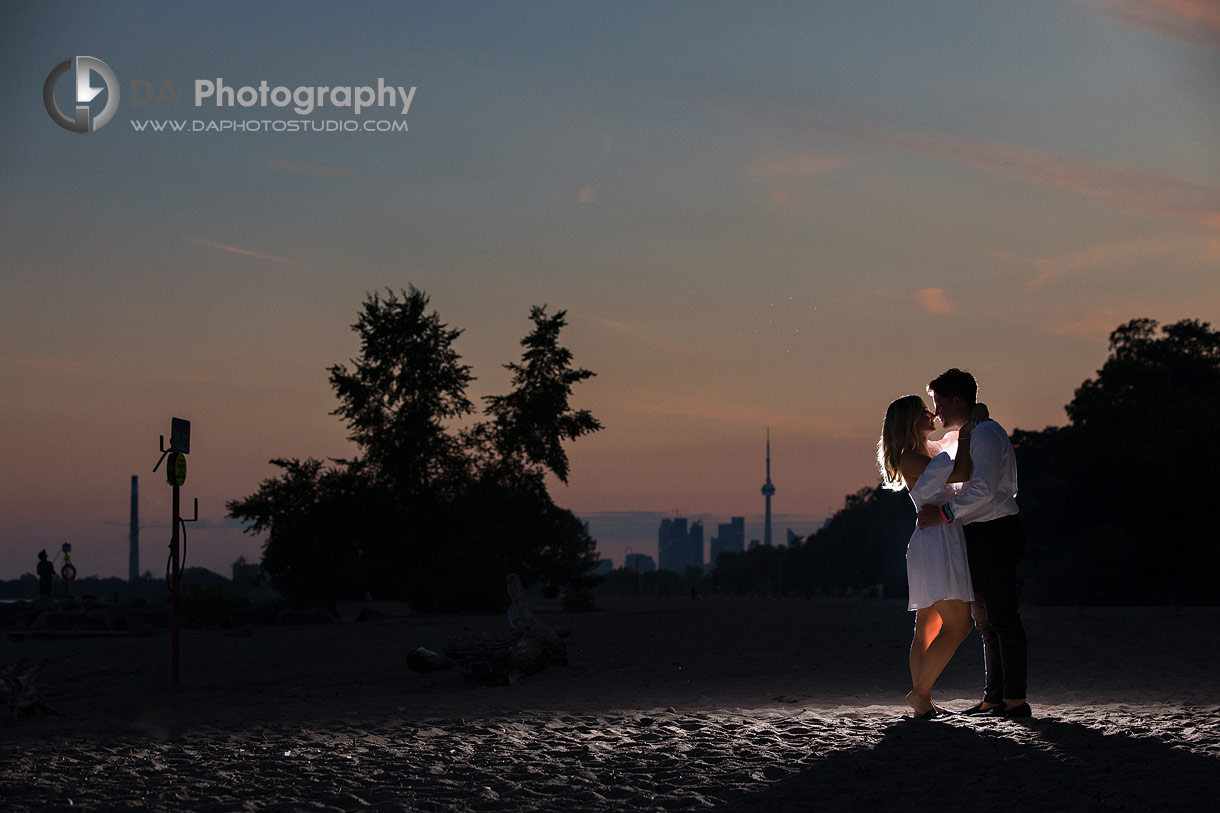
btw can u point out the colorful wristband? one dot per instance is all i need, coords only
(946, 513)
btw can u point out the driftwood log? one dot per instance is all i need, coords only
(528, 648)
(19, 692)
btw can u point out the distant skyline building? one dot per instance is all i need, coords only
(730, 538)
(641, 562)
(679, 546)
(768, 491)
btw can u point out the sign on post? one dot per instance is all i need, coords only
(175, 469)
(180, 436)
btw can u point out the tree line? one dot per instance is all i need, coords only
(1115, 502)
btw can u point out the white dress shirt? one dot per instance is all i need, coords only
(992, 490)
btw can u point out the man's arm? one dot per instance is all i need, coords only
(986, 454)
(980, 490)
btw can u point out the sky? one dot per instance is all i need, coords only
(765, 214)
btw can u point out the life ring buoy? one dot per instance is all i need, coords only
(68, 572)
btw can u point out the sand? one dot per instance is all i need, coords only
(737, 704)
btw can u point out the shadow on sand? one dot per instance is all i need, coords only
(1042, 764)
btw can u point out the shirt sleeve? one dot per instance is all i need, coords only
(932, 481)
(985, 456)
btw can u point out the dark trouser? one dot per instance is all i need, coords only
(994, 549)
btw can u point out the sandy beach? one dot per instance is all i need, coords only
(737, 704)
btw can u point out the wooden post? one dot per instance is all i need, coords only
(175, 577)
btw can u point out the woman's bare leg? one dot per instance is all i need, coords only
(928, 624)
(955, 626)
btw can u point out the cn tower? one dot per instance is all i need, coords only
(768, 491)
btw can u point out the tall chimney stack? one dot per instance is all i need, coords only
(133, 562)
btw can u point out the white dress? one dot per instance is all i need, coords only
(936, 556)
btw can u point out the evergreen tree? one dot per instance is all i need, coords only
(407, 382)
(529, 425)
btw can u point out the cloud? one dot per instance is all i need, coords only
(1122, 187)
(659, 341)
(933, 300)
(780, 196)
(305, 169)
(1103, 255)
(245, 252)
(802, 165)
(1089, 326)
(586, 194)
(1195, 22)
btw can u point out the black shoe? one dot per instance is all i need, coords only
(1020, 712)
(977, 709)
(1002, 711)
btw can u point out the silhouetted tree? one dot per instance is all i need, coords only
(507, 506)
(407, 382)
(1144, 434)
(864, 543)
(424, 512)
(530, 423)
(330, 531)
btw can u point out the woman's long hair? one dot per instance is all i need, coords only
(898, 435)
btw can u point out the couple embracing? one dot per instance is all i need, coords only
(962, 558)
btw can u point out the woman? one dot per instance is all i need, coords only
(937, 573)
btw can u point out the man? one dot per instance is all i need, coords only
(995, 544)
(46, 575)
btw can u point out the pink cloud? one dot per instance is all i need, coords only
(1100, 256)
(1196, 22)
(245, 252)
(933, 300)
(1089, 326)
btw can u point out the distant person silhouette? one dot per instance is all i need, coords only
(46, 575)
(938, 576)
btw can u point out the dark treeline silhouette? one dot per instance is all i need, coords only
(1118, 504)
(631, 582)
(149, 587)
(427, 513)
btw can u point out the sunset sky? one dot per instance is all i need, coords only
(755, 214)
